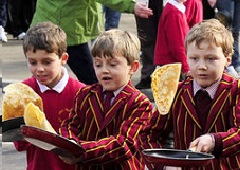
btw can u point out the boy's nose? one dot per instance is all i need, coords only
(202, 64)
(40, 68)
(105, 68)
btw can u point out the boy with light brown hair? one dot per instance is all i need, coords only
(209, 123)
(109, 134)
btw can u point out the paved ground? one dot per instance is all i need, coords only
(13, 69)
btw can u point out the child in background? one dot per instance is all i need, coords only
(109, 136)
(172, 30)
(211, 123)
(45, 48)
(194, 12)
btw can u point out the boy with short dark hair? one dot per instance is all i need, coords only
(45, 47)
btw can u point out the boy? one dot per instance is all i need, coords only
(211, 124)
(45, 48)
(109, 135)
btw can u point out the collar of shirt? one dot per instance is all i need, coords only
(211, 90)
(178, 5)
(115, 93)
(61, 84)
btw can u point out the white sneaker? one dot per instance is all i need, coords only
(21, 36)
(3, 36)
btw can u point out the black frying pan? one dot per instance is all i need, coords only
(11, 129)
(178, 158)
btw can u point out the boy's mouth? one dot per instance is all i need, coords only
(202, 75)
(107, 78)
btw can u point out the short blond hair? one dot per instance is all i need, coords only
(117, 42)
(214, 32)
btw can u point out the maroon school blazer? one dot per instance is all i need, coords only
(223, 122)
(109, 138)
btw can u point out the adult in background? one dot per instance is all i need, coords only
(3, 20)
(82, 21)
(235, 31)
(20, 14)
(228, 12)
(112, 18)
(147, 32)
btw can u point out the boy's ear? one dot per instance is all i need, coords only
(134, 67)
(64, 58)
(228, 61)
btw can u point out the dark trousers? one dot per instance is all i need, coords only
(147, 32)
(3, 13)
(20, 14)
(81, 63)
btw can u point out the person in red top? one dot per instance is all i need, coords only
(45, 49)
(109, 136)
(194, 12)
(172, 30)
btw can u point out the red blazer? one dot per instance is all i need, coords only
(172, 30)
(109, 138)
(223, 121)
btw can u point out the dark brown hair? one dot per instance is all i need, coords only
(45, 36)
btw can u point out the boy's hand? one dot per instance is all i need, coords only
(212, 3)
(142, 11)
(204, 143)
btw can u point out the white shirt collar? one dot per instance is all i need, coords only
(61, 84)
(211, 90)
(179, 6)
(115, 93)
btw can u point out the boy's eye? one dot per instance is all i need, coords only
(32, 62)
(113, 64)
(194, 58)
(210, 58)
(97, 64)
(46, 62)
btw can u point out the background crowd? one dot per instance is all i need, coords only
(17, 16)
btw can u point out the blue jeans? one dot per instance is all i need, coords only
(3, 13)
(112, 18)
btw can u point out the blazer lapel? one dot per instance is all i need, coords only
(118, 104)
(220, 99)
(188, 101)
(96, 105)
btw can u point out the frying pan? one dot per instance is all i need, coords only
(51, 142)
(177, 158)
(11, 129)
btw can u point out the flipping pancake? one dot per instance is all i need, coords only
(164, 86)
